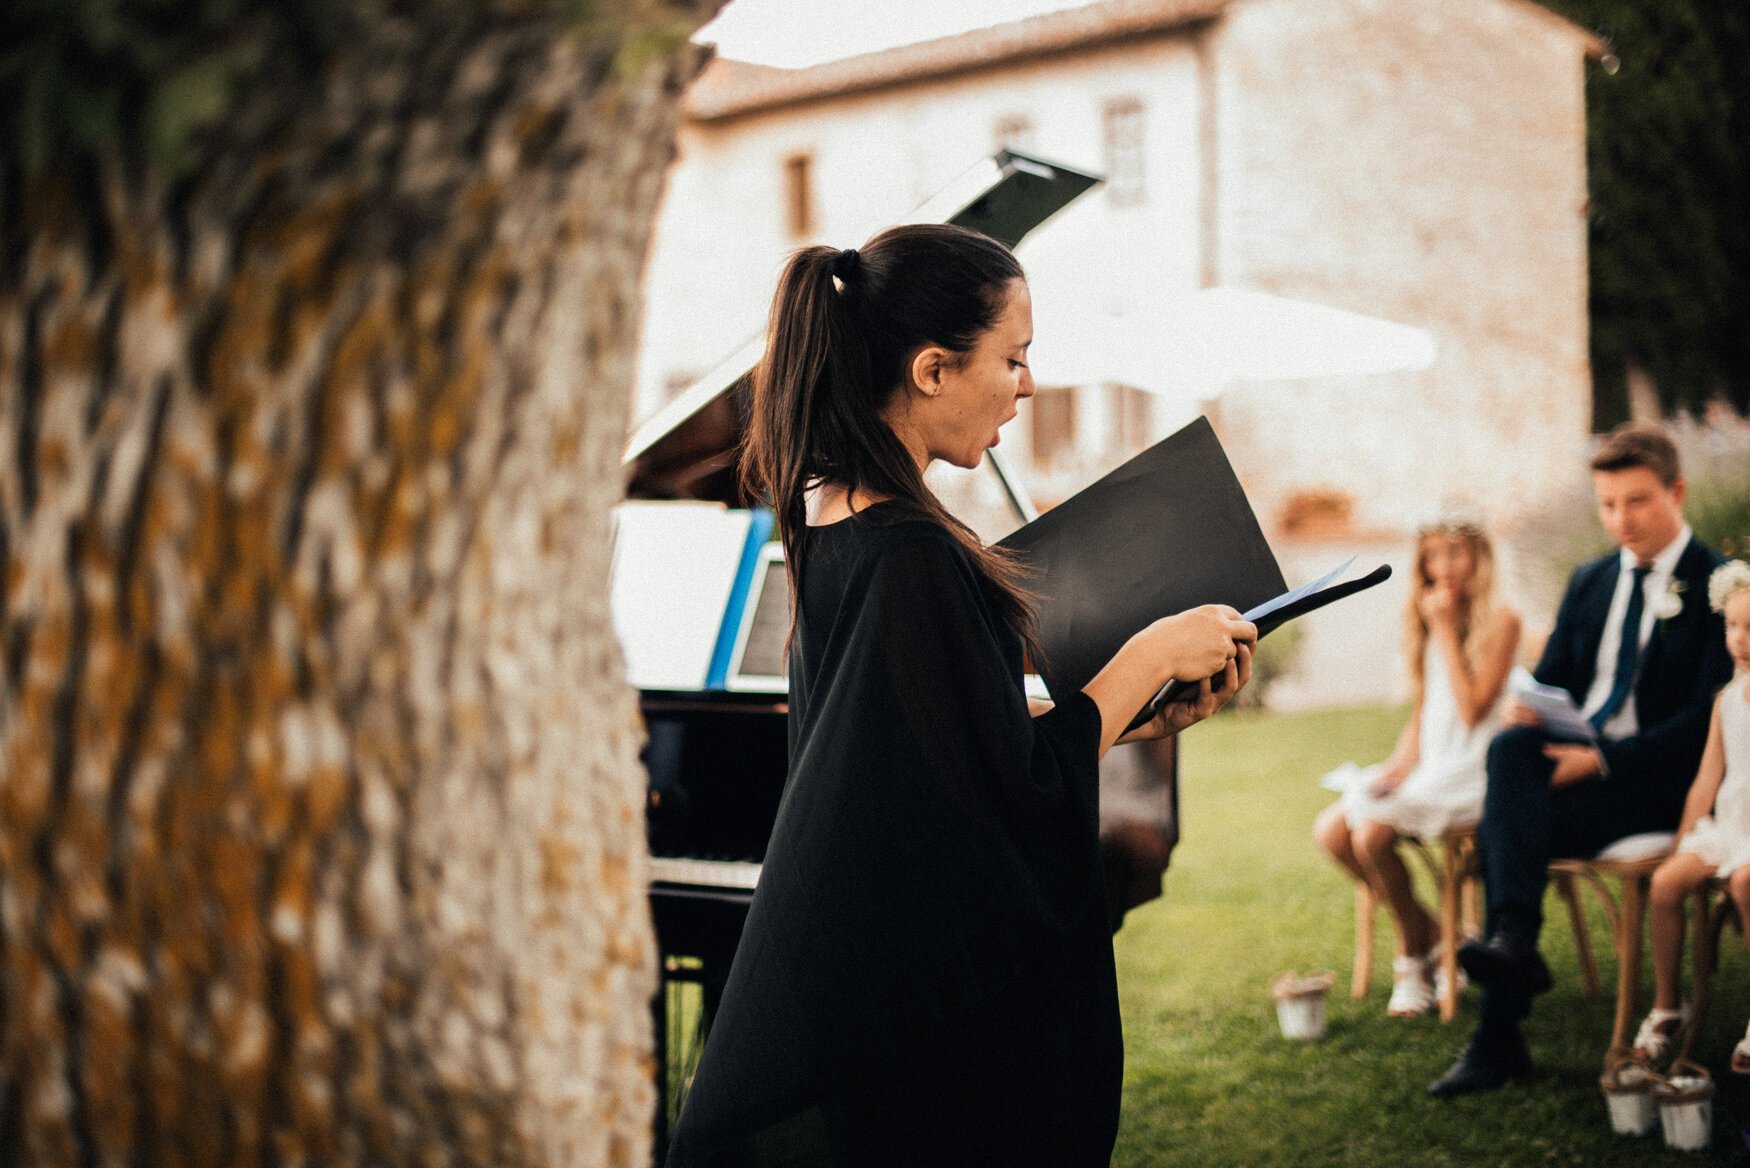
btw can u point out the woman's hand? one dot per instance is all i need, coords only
(1439, 606)
(1199, 643)
(1193, 646)
(1210, 695)
(1389, 780)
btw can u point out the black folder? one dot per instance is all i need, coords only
(1169, 530)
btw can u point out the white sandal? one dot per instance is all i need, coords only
(1740, 1064)
(1437, 972)
(1659, 1031)
(1411, 995)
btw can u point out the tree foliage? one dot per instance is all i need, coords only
(146, 78)
(1670, 187)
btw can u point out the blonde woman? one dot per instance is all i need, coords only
(1461, 640)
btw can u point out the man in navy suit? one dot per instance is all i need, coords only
(1638, 648)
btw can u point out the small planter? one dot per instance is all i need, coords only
(1300, 1004)
(1627, 1088)
(1686, 1106)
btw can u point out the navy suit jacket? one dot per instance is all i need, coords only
(1682, 667)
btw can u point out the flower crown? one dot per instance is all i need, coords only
(1450, 525)
(1726, 579)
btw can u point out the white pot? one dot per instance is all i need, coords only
(1300, 1003)
(1302, 1018)
(1686, 1112)
(1632, 1110)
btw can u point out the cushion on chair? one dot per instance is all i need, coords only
(1645, 846)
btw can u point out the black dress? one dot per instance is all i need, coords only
(926, 973)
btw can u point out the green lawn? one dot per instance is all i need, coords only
(1210, 1082)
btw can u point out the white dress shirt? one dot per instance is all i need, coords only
(1623, 723)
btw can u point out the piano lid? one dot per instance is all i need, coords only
(687, 449)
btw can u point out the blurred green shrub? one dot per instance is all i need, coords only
(1565, 532)
(1275, 657)
(1716, 462)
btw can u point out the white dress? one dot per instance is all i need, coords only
(1445, 790)
(1723, 838)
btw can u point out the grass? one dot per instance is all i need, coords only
(1209, 1081)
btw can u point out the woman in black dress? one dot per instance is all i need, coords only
(926, 973)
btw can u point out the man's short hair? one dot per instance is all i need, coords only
(1635, 444)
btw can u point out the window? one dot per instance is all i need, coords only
(799, 194)
(1122, 121)
(1014, 132)
(1054, 426)
(1136, 415)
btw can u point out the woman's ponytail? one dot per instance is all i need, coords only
(813, 352)
(843, 326)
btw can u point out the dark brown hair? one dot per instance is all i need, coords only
(1642, 444)
(843, 328)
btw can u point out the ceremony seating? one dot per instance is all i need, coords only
(1454, 873)
(1629, 862)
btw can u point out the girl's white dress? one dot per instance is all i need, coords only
(1445, 790)
(1723, 838)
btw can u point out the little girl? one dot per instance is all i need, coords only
(1714, 837)
(1461, 641)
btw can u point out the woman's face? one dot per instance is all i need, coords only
(976, 395)
(1448, 561)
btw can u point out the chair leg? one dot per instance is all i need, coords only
(1363, 975)
(1706, 953)
(1451, 879)
(1582, 938)
(1628, 956)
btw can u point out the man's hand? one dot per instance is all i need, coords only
(1573, 763)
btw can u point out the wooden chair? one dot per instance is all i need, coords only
(1629, 862)
(1631, 867)
(1454, 873)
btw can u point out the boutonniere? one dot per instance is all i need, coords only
(1670, 601)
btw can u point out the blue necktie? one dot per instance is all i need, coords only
(1627, 654)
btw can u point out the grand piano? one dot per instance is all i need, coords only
(717, 756)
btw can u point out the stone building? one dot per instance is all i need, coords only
(1415, 160)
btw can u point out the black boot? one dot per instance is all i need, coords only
(1493, 1055)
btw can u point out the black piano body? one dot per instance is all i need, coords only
(717, 758)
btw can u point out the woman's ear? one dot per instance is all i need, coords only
(927, 366)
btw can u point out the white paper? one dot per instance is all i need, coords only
(674, 567)
(1346, 778)
(1555, 707)
(1294, 594)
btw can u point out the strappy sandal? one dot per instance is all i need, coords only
(1659, 1032)
(1437, 972)
(1740, 1064)
(1411, 995)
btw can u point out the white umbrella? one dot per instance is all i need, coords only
(1196, 342)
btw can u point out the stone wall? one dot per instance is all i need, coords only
(1424, 162)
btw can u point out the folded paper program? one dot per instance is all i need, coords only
(1169, 530)
(1555, 708)
(1271, 615)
